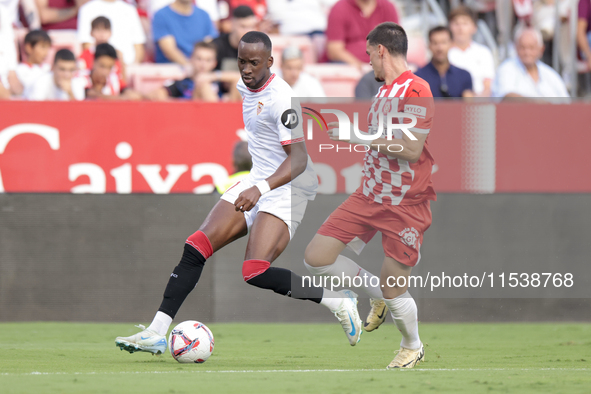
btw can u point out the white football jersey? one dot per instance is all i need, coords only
(272, 121)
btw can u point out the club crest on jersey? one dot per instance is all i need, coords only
(387, 107)
(409, 236)
(260, 107)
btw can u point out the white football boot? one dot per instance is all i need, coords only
(144, 341)
(349, 317)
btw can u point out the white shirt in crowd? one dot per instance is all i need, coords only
(45, 88)
(478, 60)
(299, 16)
(27, 74)
(307, 86)
(126, 27)
(209, 6)
(8, 59)
(12, 10)
(512, 77)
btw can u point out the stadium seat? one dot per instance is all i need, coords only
(146, 77)
(302, 42)
(338, 80)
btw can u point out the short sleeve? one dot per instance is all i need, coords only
(503, 83)
(84, 22)
(488, 67)
(467, 85)
(584, 8)
(419, 102)
(335, 28)
(287, 115)
(159, 25)
(137, 31)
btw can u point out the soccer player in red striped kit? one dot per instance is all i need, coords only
(394, 196)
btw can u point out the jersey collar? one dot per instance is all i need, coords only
(262, 87)
(402, 77)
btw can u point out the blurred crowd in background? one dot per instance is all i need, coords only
(186, 49)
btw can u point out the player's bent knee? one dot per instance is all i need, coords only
(200, 242)
(252, 268)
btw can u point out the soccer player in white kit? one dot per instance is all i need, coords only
(270, 202)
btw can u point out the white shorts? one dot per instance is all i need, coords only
(281, 202)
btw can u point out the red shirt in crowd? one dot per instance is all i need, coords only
(68, 23)
(346, 23)
(86, 60)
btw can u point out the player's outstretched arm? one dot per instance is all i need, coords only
(292, 166)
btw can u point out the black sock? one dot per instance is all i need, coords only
(285, 282)
(182, 281)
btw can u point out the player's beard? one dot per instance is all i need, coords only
(378, 79)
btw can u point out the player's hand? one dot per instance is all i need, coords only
(247, 199)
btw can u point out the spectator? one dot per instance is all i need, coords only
(10, 11)
(177, 28)
(259, 7)
(526, 75)
(8, 58)
(37, 45)
(292, 72)
(242, 161)
(469, 55)
(102, 81)
(204, 83)
(209, 6)
(243, 21)
(101, 33)
(444, 79)
(298, 17)
(349, 23)
(128, 35)
(584, 30)
(61, 84)
(368, 86)
(59, 14)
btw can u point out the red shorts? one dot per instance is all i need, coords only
(358, 219)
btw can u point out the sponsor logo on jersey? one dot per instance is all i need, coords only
(387, 107)
(416, 110)
(409, 236)
(290, 119)
(260, 107)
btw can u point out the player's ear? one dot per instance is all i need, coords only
(270, 61)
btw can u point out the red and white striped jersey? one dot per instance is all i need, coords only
(111, 88)
(386, 179)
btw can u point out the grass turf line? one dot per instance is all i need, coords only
(460, 358)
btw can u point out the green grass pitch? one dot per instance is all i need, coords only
(300, 358)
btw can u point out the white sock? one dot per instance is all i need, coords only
(160, 323)
(404, 312)
(347, 267)
(372, 291)
(331, 299)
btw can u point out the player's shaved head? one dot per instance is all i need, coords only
(254, 59)
(253, 37)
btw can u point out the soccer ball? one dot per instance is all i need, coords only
(191, 342)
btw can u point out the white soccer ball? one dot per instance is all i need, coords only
(191, 342)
